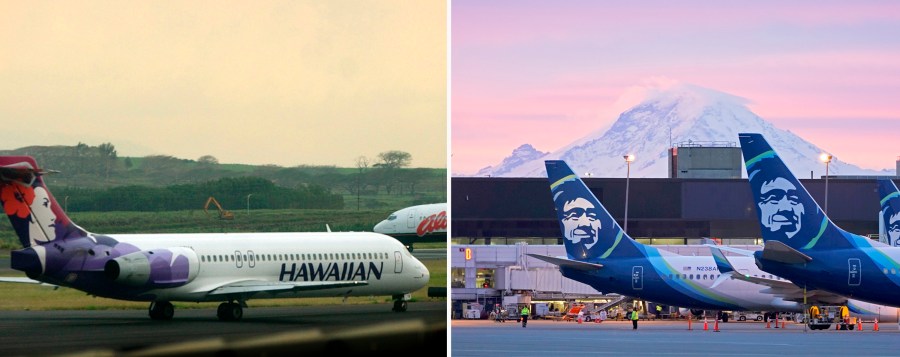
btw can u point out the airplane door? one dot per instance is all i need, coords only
(398, 263)
(637, 277)
(854, 275)
(411, 219)
(237, 259)
(251, 260)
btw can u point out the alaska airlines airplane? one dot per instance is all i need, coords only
(803, 245)
(601, 255)
(790, 291)
(889, 216)
(228, 267)
(416, 224)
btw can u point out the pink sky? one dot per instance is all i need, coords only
(528, 71)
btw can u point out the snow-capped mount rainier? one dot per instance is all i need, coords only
(678, 114)
(521, 155)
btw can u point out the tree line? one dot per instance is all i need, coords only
(231, 192)
(99, 168)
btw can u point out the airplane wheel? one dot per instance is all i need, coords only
(399, 306)
(230, 311)
(742, 318)
(161, 310)
(759, 318)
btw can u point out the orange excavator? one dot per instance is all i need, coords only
(223, 213)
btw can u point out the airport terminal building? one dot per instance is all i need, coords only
(496, 221)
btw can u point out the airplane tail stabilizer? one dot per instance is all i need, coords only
(787, 212)
(36, 216)
(889, 219)
(589, 230)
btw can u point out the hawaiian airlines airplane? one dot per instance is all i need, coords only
(228, 267)
(416, 224)
(889, 216)
(803, 245)
(603, 256)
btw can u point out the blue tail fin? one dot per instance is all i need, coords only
(590, 232)
(35, 215)
(889, 219)
(786, 211)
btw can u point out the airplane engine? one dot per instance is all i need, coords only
(154, 268)
(697, 312)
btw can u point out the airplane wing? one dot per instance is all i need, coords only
(257, 286)
(22, 280)
(568, 263)
(781, 288)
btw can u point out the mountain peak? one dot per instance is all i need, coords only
(522, 154)
(663, 114)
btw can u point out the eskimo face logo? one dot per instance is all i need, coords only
(580, 222)
(892, 225)
(779, 206)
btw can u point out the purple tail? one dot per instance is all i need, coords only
(35, 215)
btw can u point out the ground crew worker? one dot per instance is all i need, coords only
(634, 319)
(845, 313)
(525, 312)
(658, 312)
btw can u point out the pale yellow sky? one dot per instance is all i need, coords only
(257, 82)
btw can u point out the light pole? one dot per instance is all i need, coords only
(826, 158)
(628, 159)
(248, 203)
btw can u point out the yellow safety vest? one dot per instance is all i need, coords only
(525, 311)
(634, 315)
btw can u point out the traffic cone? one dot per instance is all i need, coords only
(782, 323)
(716, 328)
(875, 328)
(859, 324)
(768, 323)
(689, 323)
(705, 325)
(776, 320)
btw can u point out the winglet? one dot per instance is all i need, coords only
(327, 228)
(722, 262)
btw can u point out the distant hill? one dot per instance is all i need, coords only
(84, 167)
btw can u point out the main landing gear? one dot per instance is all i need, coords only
(400, 302)
(161, 310)
(230, 311)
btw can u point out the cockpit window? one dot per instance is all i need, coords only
(392, 217)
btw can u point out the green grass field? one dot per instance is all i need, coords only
(17, 296)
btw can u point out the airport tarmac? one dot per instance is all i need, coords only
(671, 338)
(421, 329)
(429, 254)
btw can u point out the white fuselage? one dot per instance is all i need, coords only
(417, 220)
(248, 258)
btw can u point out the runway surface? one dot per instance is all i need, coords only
(429, 254)
(422, 329)
(654, 338)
